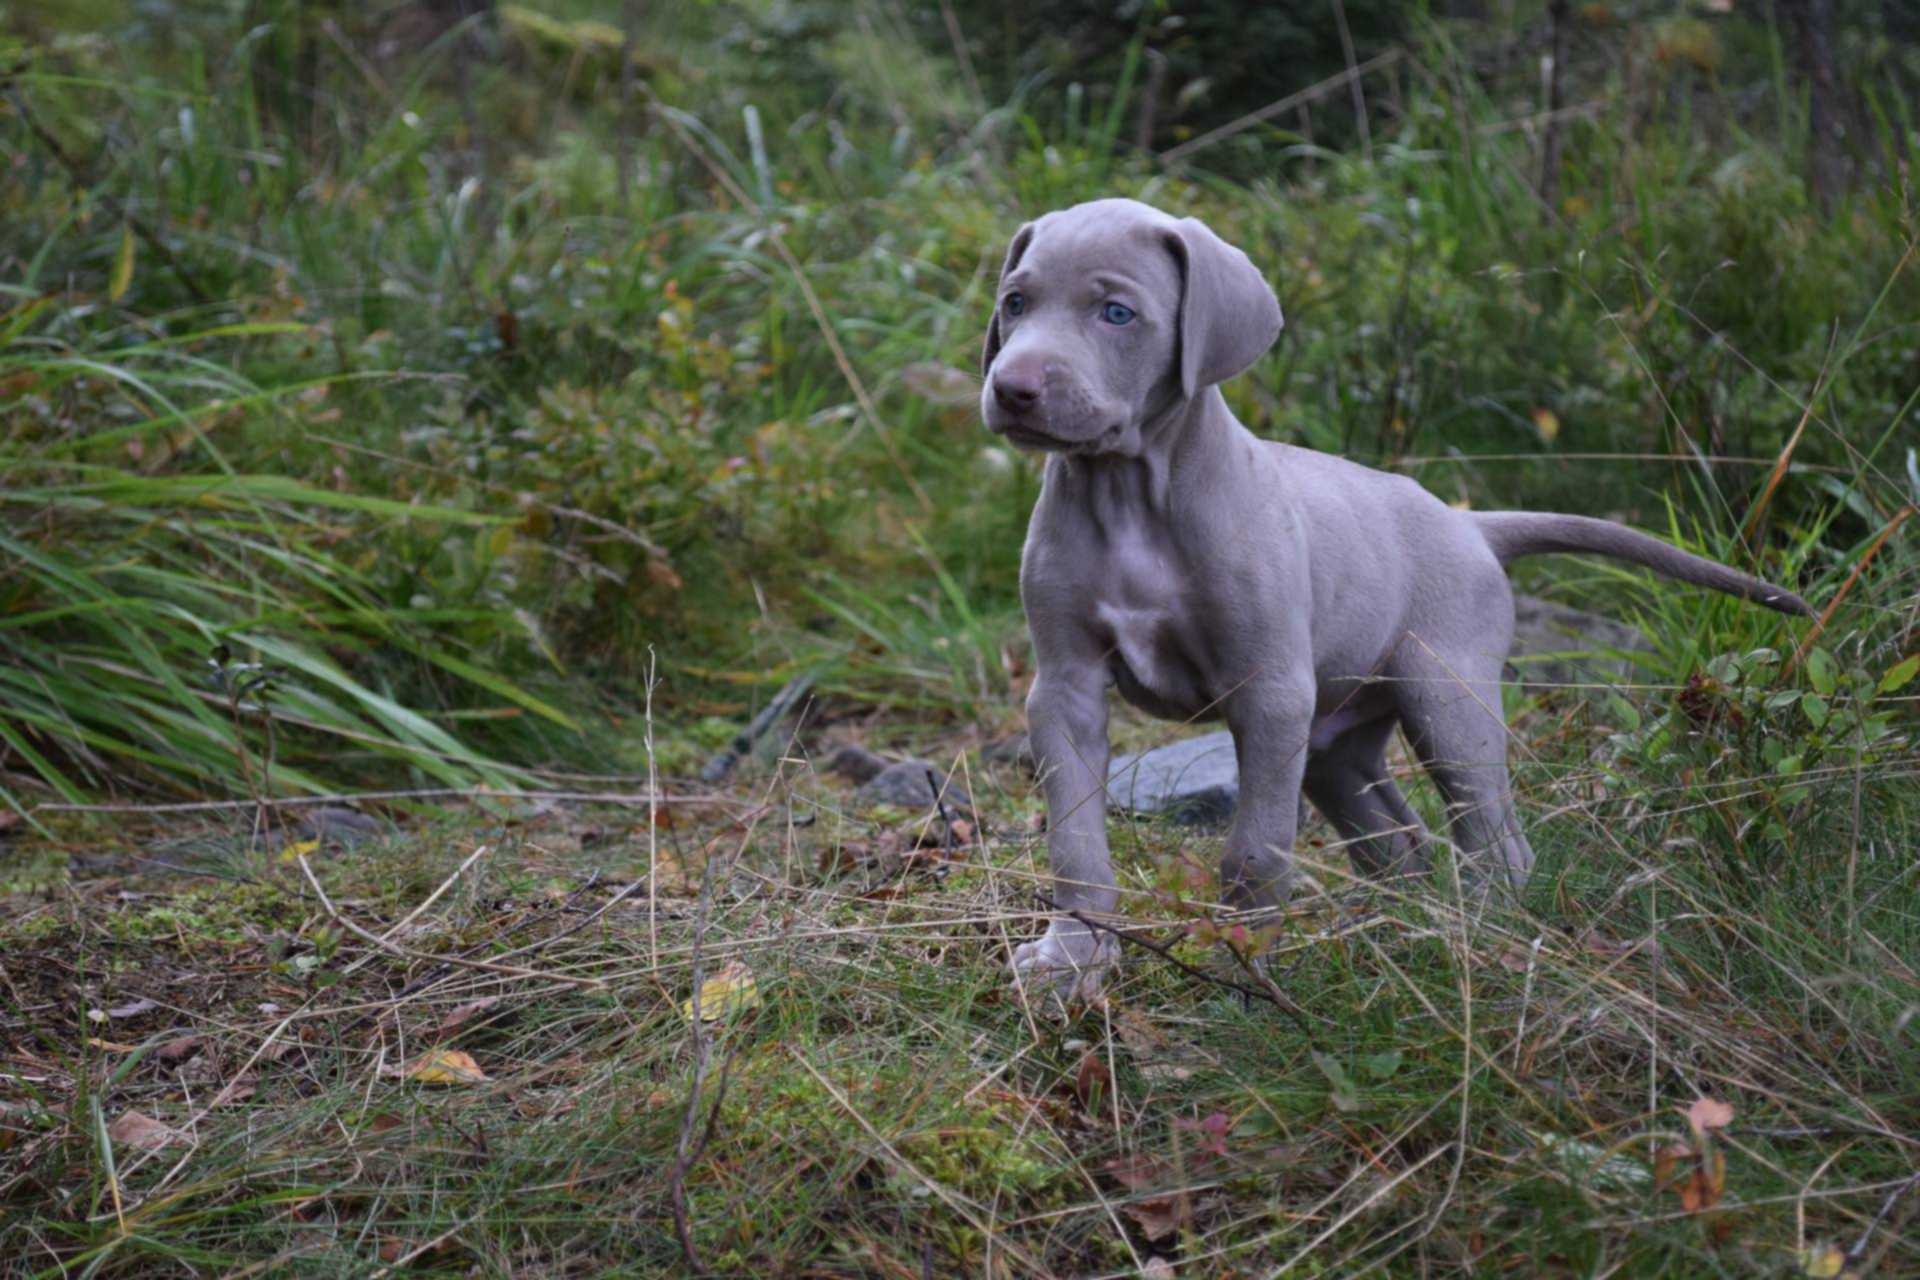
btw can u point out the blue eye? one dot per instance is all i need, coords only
(1014, 303)
(1116, 313)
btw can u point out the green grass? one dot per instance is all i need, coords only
(375, 416)
(1455, 1090)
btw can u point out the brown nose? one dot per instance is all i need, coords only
(1017, 388)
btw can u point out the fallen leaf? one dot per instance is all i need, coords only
(1666, 1162)
(1156, 1268)
(1702, 1190)
(1092, 1081)
(1515, 956)
(730, 991)
(460, 1014)
(298, 849)
(180, 1048)
(122, 265)
(1160, 1217)
(111, 1046)
(132, 1009)
(136, 1129)
(1138, 1172)
(1344, 1094)
(238, 1089)
(383, 1122)
(446, 1066)
(1708, 1113)
(1823, 1262)
(1600, 1166)
(1212, 1129)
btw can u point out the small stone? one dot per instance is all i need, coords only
(1015, 749)
(914, 784)
(856, 763)
(345, 827)
(1195, 781)
(1556, 644)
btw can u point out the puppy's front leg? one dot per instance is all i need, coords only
(1067, 724)
(1271, 723)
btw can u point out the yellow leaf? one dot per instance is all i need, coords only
(1823, 1261)
(122, 265)
(1547, 423)
(446, 1066)
(298, 849)
(727, 992)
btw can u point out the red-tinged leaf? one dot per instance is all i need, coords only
(1161, 1217)
(1211, 1130)
(180, 1048)
(1706, 1114)
(1666, 1164)
(1138, 1172)
(1092, 1081)
(238, 1089)
(461, 1014)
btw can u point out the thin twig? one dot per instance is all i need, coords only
(425, 902)
(404, 953)
(1272, 995)
(624, 798)
(1858, 1253)
(686, 1149)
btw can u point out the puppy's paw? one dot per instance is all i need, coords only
(1069, 960)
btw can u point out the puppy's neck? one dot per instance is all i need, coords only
(1190, 439)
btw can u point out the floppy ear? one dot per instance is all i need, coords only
(1228, 314)
(1015, 252)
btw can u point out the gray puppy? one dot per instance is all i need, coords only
(1310, 602)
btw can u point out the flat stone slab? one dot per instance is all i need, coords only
(1194, 780)
(1197, 780)
(1556, 644)
(915, 784)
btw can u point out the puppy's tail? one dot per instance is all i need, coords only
(1512, 534)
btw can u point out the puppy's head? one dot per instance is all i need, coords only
(1110, 313)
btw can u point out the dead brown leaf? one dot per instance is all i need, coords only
(137, 1129)
(180, 1048)
(238, 1089)
(1092, 1081)
(461, 1014)
(1161, 1217)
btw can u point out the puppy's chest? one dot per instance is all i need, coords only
(1141, 615)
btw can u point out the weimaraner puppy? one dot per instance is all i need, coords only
(1310, 602)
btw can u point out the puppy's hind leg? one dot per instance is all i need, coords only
(1453, 718)
(1348, 782)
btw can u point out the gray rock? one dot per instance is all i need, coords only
(1195, 780)
(855, 763)
(1555, 644)
(914, 784)
(1015, 749)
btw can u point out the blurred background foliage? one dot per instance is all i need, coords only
(450, 365)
